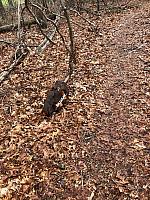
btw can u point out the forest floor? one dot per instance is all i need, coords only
(98, 146)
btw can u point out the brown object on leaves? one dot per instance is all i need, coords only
(54, 97)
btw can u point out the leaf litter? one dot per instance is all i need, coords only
(98, 146)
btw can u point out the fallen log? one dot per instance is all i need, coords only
(12, 27)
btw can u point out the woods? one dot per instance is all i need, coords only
(74, 99)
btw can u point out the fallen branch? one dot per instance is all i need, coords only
(90, 23)
(45, 42)
(17, 60)
(5, 73)
(93, 27)
(12, 27)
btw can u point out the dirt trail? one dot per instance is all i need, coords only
(118, 156)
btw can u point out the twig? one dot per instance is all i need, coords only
(90, 23)
(70, 20)
(5, 73)
(45, 42)
(72, 59)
